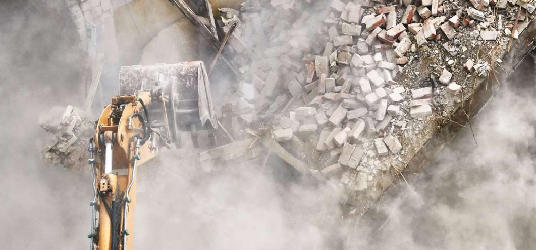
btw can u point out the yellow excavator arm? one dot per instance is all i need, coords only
(169, 99)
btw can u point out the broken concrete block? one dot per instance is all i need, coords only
(338, 116)
(393, 110)
(337, 5)
(488, 35)
(421, 111)
(343, 40)
(341, 137)
(382, 150)
(475, 14)
(434, 8)
(357, 113)
(289, 123)
(283, 134)
(394, 32)
(351, 29)
(448, 30)
(469, 65)
(375, 22)
(352, 104)
(419, 102)
(391, 21)
(454, 21)
(321, 87)
(375, 78)
(371, 98)
(381, 93)
(408, 14)
(305, 111)
(415, 27)
(382, 37)
(422, 92)
(429, 31)
(295, 88)
(332, 170)
(329, 142)
(424, 12)
(307, 129)
(403, 47)
(381, 111)
(396, 97)
(271, 83)
(445, 77)
(330, 84)
(393, 144)
(346, 153)
(420, 38)
(357, 60)
(454, 88)
(355, 13)
(372, 36)
(386, 65)
(321, 119)
(383, 125)
(357, 130)
(365, 87)
(356, 157)
(322, 138)
(321, 65)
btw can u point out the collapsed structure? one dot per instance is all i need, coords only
(348, 92)
(352, 90)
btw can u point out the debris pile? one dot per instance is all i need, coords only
(71, 132)
(362, 81)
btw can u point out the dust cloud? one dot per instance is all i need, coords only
(472, 197)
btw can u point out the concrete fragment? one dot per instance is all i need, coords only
(289, 123)
(283, 134)
(356, 157)
(341, 137)
(424, 12)
(382, 150)
(321, 65)
(408, 14)
(488, 35)
(346, 153)
(396, 97)
(332, 170)
(371, 98)
(305, 111)
(381, 111)
(322, 138)
(420, 38)
(375, 78)
(307, 129)
(419, 102)
(351, 29)
(415, 27)
(469, 65)
(355, 13)
(445, 77)
(337, 5)
(321, 119)
(475, 14)
(448, 30)
(356, 131)
(329, 142)
(383, 125)
(393, 110)
(429, 31)
(338, 116)
(381, 93)
(454, 21)
(422, 92)
(375, 22)
(421, 111)
(357, 113)
(403, 47)
(343, 40)
(393, 144)
(391, 21)
(295, 88)
(394, 32)
(372, 36)
(434, 8)
(454, 88)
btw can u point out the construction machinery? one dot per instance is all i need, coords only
(156, 104)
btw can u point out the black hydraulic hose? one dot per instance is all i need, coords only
(145, 128)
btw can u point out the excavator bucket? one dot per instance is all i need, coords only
(186, 96)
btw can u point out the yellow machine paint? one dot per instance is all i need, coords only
(167, 99)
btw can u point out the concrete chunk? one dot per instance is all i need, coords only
(375, 78)
(283, 134)
(421, 111)
(394, 32)
(356, 157)
(343, 40)
(393, 110)
(372, 36)
(321, 119)
(337, 5)
(332, 170)
(341, 137)
(351, 29)
(419, 102)
(488, 35)
(338, 116)
(445, 77)
(322, 138)
(346, 153)
(391, 21)
(424, 12)
(375, 22)
(365, 87)
(403, 47)
(415, 27)
(382, 150)
(371, 98)
(448, 30)
(393, 144)
(381, 111)
(357, 130)
(329, 142)
(422, 92)
(396, 97)
(357, 113)
(408, 14)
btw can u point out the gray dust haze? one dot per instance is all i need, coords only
(471, 197)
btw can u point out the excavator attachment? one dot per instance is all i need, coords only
(186, 97)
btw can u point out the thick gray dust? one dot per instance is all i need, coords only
(472, 197)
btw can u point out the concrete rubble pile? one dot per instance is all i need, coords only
(71, 132)
(361, 80)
